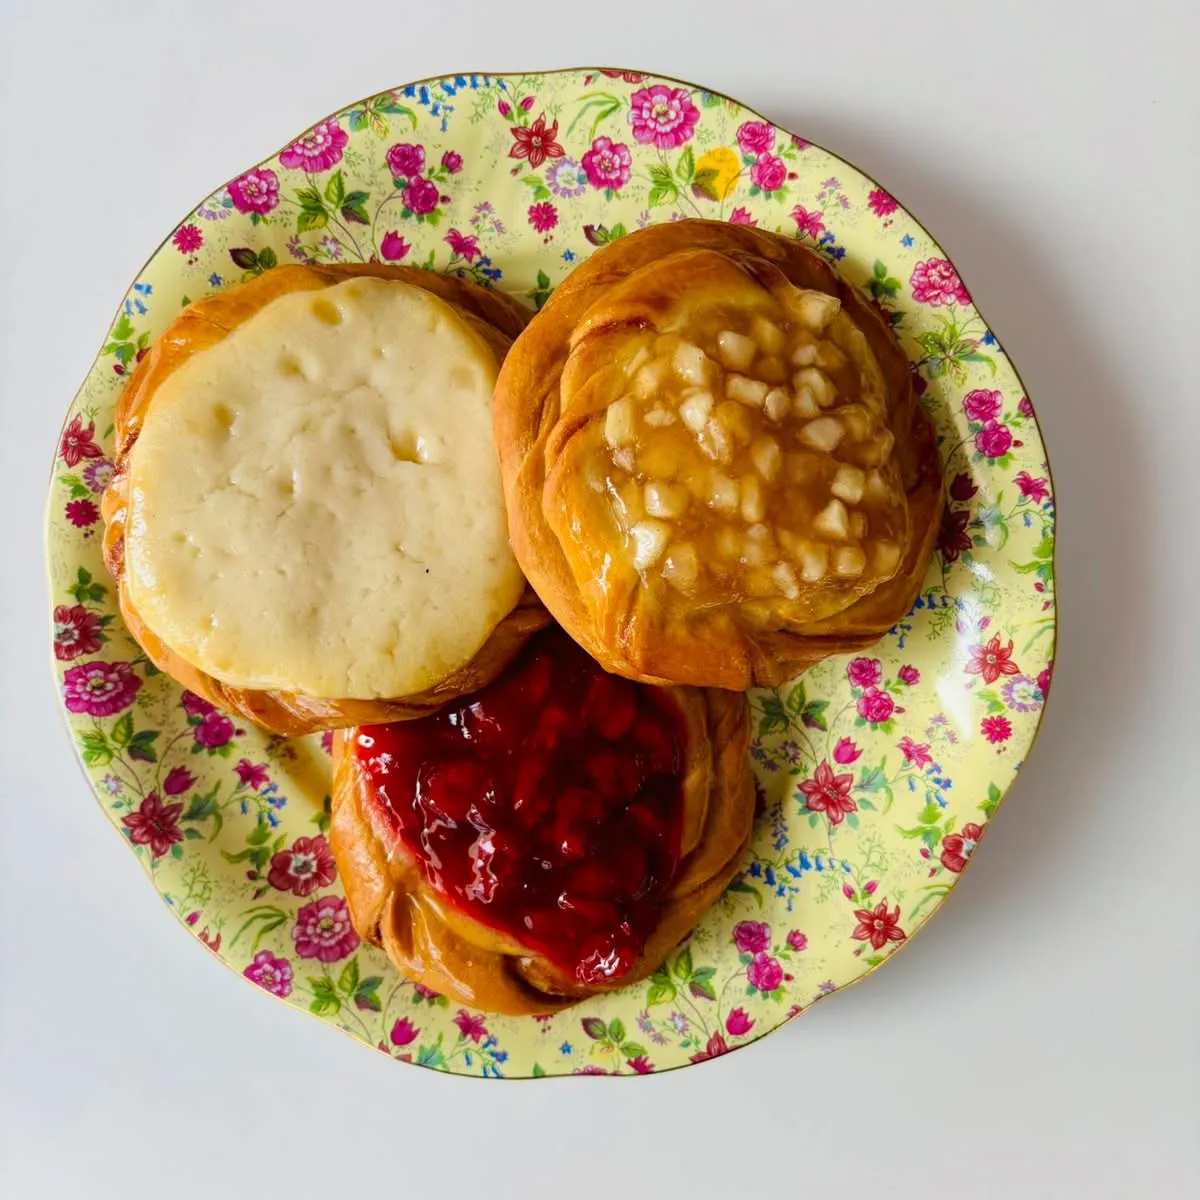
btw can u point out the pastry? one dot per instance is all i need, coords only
(551, 837)
(306, 523)
(714, 467)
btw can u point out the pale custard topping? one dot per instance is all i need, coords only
(315, 501)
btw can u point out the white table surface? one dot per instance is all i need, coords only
(1041, 1038)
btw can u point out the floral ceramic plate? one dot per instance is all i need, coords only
(878, 774)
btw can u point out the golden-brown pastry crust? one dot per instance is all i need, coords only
(633, 630)
(440, 946)
(496, 317)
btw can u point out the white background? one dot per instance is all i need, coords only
(1040, 1039)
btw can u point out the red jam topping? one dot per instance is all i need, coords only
(546, 806)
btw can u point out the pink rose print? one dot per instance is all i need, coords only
(741, 216)
(187, 239)
(864, 672)
(752, 937)
(765, 973)
(713, 1048)
(420, 196)
(404, 1033)
(318, 150)
(936, 283)
(82, 513)
(463, 246)
(543, 217)
(962, 488)
(272, 974)
(76, 632)
(958, 847)
(797, 940)
(405, 160)
(195, 706)
(880, 203)
(323, 930)
(875, 706)
(1043, 680)
(982, 405)
(178, 780)
(1036, 490)
(829, 793)
(154, 824)
(662, 116)
(100, 689)
(992, 661)
(846, 752)
(755, 137)
(79, 443)
(996, 729)
(213, 731)
(909, 674)
(1025, 408)
(878, 926)
(607, 164)
(768, 173)
(255, 192)
(452, 161)
(393, 247)
(811, 223)
(305, 867)
(738, 1023)
(470, 1025)
(252, 775)
(916, 753)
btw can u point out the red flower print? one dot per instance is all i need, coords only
(662, 116)
(543, 217)
(797, 940)
(188, 239)
(393, 247)
(470, 1025)
(755, 137)
(829, 793)
(253, 775)
(154, 824)
(641, 1065)
(713, 1048)
(996, 729)
(880, 203)
(607, 164)
(992, 661)
(982, 405)
(255, 192)
(846, 752)
(768, 173)
(878, 926)
(270, 973)
(304, 868)
(462, 246)
(916, 753)
(195, 706)
(425, 993)
(82, 513)
(100, 689)
(909, 674)
(627, 76)
(79, 443)
(994, 440)
(76, 632)
(765, 973)
(323, 930)
(1031, 489)
(952, 536)
(752, 937)
(1025, 408)
(452, 161)
(404, 1032)
(936, 283)
(536, 143)
(875, 706)
(405, 160)
(962, 488)
(1043, 680)
(958, 847)
(318, 150)
(420, 196)
(738, 1023)
(741, 216)
(213, 731)
(811, 223)
(178, 780)
(864, 672)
